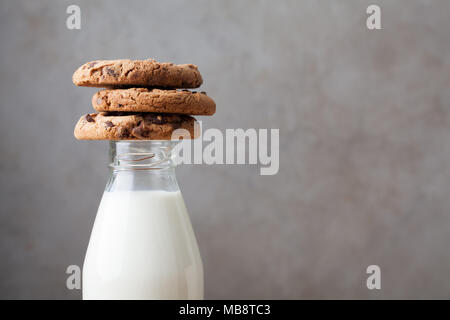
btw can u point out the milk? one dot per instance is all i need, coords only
(142, 246)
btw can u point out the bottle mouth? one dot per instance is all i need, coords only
(141, 155)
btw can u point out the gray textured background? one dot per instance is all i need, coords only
(364, 140)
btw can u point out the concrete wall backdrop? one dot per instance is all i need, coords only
(364, 124)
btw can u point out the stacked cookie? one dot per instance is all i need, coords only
(142, 100)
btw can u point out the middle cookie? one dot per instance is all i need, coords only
(154, 100)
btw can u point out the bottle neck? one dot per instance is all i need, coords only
(142, 165)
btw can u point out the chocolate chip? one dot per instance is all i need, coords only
(194, 91)
(184, 90)
(138, 132)
(110, 71)
(122, 132)
(109, 124)
(203, 92)
(119, 105)
(89, 118)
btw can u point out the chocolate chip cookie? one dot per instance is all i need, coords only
(134, 126)
(154, 100)
(137, 73)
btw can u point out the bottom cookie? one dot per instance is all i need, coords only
(134, 126)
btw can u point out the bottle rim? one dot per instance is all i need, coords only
(141, 155)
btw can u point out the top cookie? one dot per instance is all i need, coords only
(137, 73)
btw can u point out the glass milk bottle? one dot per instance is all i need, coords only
(142, 245)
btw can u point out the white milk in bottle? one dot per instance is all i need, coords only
(142, 244)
